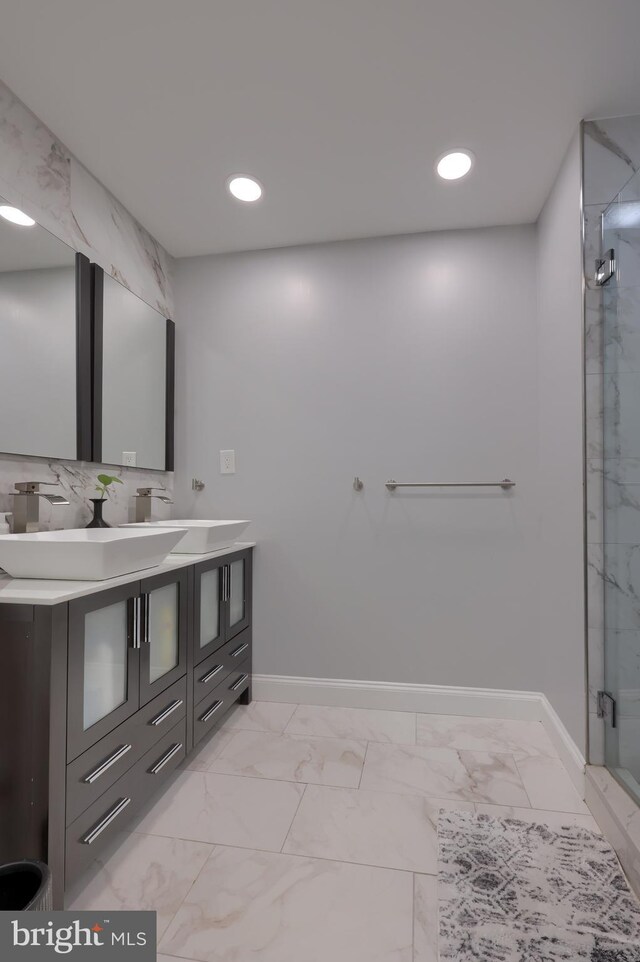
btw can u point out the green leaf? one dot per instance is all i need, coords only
(107, 479)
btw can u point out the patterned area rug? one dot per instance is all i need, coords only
(512, 891)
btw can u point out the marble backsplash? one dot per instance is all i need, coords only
(76, 481)
(41, 176)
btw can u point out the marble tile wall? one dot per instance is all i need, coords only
(39, 175)
(612, 395)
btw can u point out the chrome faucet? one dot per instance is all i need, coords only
(143, 500)
(26, 505)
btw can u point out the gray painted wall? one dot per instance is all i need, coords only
(409, 357)
(560, 444)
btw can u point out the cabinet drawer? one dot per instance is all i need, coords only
(105, 762)
(209, 711)
(213, 670)
(96, 828)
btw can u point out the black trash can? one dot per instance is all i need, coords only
(25, 886)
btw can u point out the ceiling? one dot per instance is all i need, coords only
(340, 107)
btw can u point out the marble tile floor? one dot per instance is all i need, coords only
(305, 832)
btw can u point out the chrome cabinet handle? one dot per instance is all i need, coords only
(166, 712)
(239, 682)
(230, 582)
(225, 582)
(238, 651)
(106, 821)
(101, 769)
(207, 715)
(209, 675)
(146, 612)
(165, 758)
(134, 615)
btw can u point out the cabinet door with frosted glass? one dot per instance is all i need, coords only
(209, 591)
(238, 593)
(103, 664)
(163, 632)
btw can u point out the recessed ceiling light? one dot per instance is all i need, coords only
(16, 216)
(455, 164)
(245, 188)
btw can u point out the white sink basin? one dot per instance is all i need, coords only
(200, 537)
(85, 554)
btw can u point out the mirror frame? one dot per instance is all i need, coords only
(97, 301)
(84, 357)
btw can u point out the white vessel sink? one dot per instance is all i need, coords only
(85, 554)
(200, 537)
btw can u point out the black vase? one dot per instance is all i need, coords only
(98, 521)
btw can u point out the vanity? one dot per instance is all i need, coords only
(106, 687)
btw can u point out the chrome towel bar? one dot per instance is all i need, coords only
(505, 484)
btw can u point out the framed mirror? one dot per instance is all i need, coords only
(45, 342)
(133, 378)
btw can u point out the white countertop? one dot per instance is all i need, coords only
(25, 591)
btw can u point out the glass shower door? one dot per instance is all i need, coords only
(621, 472)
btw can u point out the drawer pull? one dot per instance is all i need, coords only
(207, 715)
(214, 671)
(239, 682)
(166, 758)
(169, 710)
(238, 651)
(101, 769)
(106, 821)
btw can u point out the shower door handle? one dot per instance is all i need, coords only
(607, 707)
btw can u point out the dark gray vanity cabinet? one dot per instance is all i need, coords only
(222, 601)
(126, 645)
(102, 698)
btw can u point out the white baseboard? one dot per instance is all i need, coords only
(428, 699)
(570, 755)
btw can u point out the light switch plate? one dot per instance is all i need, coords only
(129, 459)
(227, 462)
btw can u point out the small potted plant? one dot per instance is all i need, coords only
(106, 480)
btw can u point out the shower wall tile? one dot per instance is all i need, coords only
(626, 244)
(593, 332)
(619, 316)
(621, 420)
(621, 574)
(611, 157)
(39, 175)
(621, 491)
(595, 585)
(594, 407)
(594, 500)
(592, 242)
(623, 668)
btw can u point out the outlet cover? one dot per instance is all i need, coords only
(129, 459)
(227, 462)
